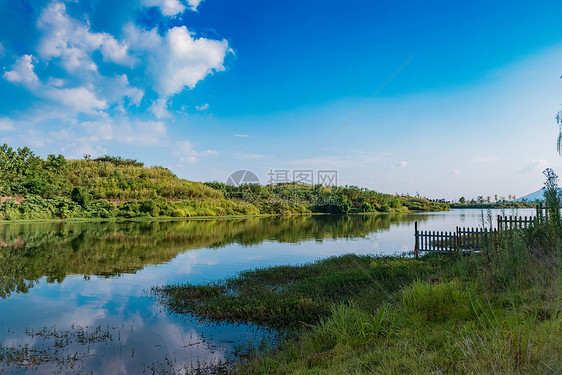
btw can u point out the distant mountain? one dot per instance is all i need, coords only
(536, 196)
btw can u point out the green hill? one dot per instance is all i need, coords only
(113, 187)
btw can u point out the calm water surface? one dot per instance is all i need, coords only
(75, 296)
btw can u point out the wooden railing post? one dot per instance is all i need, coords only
(417, 242)
(457, 240)
(538, 212)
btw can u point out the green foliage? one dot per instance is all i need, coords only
(80, 197)
(291, 198)
(422, 204)
(106, 187)
(118, 160)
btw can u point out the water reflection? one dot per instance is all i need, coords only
(30, 251)
(93, 277)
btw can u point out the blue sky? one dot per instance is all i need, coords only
(440, 99)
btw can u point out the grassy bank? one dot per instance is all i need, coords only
(32, 188)
(495, 312)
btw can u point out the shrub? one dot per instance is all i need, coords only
(80, 197)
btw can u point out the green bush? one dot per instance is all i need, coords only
(81, 197)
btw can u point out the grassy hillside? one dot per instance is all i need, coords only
(108, 187)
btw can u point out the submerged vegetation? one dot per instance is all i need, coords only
(113, 187)
(499, 311)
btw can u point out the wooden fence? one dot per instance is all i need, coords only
(462, 239)
(514, 222)
(470, 239)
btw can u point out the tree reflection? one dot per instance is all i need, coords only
(30, 251)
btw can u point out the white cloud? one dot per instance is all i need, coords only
(186, 153)
(203, 107)
(73, 42)
(179, 59)
(118, 88)
(194, 3)
(400, 164)
(22, 71)
(190, 60)
(71, 45)
(93, 137)
(115, 51)
(456, 172)
(6, 124)
(158, 108)
(172, 7)
(167, 7)
(80, 99)
(124, 131)
(56, 82)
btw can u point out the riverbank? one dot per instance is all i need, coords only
(496, 312)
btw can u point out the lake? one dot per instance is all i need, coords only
(76, 296)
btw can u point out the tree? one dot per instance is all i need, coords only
(462, 200)
(552, 197)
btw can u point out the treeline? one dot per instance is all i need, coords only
(113, 187)
(297, 198)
